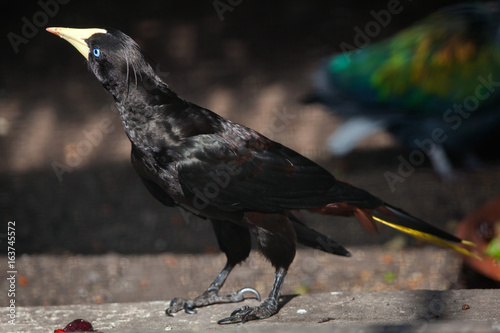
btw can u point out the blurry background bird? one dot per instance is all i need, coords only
(434, 86)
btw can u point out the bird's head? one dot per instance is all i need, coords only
(114, 58)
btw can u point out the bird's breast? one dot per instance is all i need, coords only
(158, 168)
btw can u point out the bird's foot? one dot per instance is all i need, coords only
(246, 313)
(209, 297)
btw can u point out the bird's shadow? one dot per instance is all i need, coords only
(284, 299)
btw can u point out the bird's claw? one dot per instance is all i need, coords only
(249, 290)
(189, 309)
(208, 298)
(176, 305)
(247, 313)
(240, 315)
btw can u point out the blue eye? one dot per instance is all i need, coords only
(96, 52)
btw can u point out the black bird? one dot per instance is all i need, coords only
(241, 181)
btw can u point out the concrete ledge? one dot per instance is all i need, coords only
(385, 311)
(119, 278)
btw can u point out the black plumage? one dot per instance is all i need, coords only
(243, 182)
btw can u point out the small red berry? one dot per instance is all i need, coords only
(78, 325)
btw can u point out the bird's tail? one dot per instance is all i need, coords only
(312, 238)
(404, 222)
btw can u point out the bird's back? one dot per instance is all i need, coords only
(421, 71)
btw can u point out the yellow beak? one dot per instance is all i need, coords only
(77, 37)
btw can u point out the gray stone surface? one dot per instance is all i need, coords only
(112, 278)
(385, 311)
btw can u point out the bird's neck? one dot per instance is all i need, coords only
(143, 105)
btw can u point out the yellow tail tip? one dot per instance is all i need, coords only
(432, 239)
(469, 243)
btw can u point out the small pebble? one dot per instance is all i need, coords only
(301, 311)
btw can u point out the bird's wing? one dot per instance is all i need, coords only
(424, 68)
(257, 174)
(249, 172)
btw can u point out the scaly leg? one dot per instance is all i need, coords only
(265, 310)
(211, 295)
(276, 239)
(234, 241)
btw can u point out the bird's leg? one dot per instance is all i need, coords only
(351, 132)
(276, 239)
(440, 161)
(234, 241)
(211, 295)
(265, 310)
